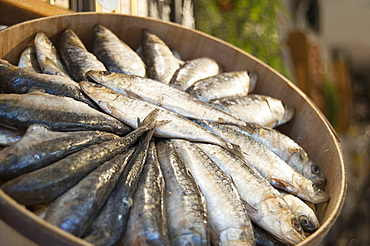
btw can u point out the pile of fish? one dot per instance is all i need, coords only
(143, 148)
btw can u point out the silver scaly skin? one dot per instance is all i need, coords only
(76, 57)
(116, 55)
(40, 147)
(59, 113)
(9, 136)
(226, 213)
(255, 190)
(259, 109)
(147, 222)
(192, 71)
(161, 62)
(236, 83)
(28, 60)
(75, 209)
(49, 60)
(286, 148)
(306, 216)
(129, 109)
(273, 168)
(184, 203)
(163, 95)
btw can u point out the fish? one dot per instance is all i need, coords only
(47, 56)
(110, 224)
(9, 136)
(162, 95)
(75, 209)
(273, 168)
(76, 57)
(161, 62)
(286, 148)
(235, 83)
(260, 109)
(28, 60)
(266, 207)
(147, 223)
(60, 113)
(265, 239)
(14, 79)
(49, 182)
(129, 109)
(192, 71)
(184, 203)
(40, 147)
(116, 55)
(306, 216)
(226, 213)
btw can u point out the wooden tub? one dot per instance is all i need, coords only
(308, 127)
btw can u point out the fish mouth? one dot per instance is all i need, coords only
(288, 114)
(253, 77)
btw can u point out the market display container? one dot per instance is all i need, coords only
(308, 127)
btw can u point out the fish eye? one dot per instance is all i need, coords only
(296, 225)
(315, 169)
(303, 220)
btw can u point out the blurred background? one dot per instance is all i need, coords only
(320, 45)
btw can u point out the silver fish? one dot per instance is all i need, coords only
(147, 224)
(58, 112)
(129, 109)
(40, 147)
(9, 136)
(259, 109)
(304, 213)
(116, 55)
(14, 79)
(75, 209)
(184, 203)
(28, 60)
(162, 95)
(108, 227)
(161, 62)
(192, 71)
(286, 148)
(49, 60)
(236, 83)
(76, 57)
(226, 213)
(265, 205)
(47, 183)
(273, 168)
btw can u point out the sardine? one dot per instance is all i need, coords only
(266, 206)
(14, 79)
(9, 136)
(286, 148)
(273, 168)
(184, 203)
(236, 83)
(116, 55)
(259, 109)
(306, 216)
(147, 223)
(47, 183)
(58, 112)
(76, 57)
(75, 210)
(161, 62)
(163, 95)
(192, 71)
(28, 60)
(40, 147)
(49, 60)
(226, 213)
(129, 109)
(108, 227)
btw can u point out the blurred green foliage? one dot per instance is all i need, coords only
(251, 25)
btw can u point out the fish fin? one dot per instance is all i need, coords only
(282, 185)
(221, 120)
(235, 149)
(132, 95)
(37, 89)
